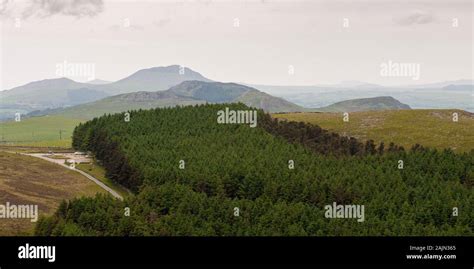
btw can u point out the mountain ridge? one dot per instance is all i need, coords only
(198, 92)
(185, 93)
(56, 93)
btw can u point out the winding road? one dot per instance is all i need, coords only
(61, 162)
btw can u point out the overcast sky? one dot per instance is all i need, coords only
(121, 37)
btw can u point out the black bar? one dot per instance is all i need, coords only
(239, 250)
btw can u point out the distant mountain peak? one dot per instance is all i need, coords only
(154, 79)
(53, 80)
(194, 83)
(61, 79)
(61, 82)
(170, 69)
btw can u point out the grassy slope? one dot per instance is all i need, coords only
(98, 172)
(29, 180)
(115, 105)
(38, 131)
(433, 128)
(268, 102)
(366, 104)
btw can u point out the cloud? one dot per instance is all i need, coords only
(416, 17)
(3, 6)
(47, 8)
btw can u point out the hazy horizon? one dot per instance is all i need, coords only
(340, 83)
(252, 42)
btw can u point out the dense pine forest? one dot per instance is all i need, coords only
(193, 176)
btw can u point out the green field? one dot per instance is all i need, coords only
(430, 127)
(46, 131)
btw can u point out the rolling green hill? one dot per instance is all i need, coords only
(186, 93)
(268, 102)
(122, 103)
(194, 176)
(365, 104)
(429, 127)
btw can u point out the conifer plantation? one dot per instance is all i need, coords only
(193, 176)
